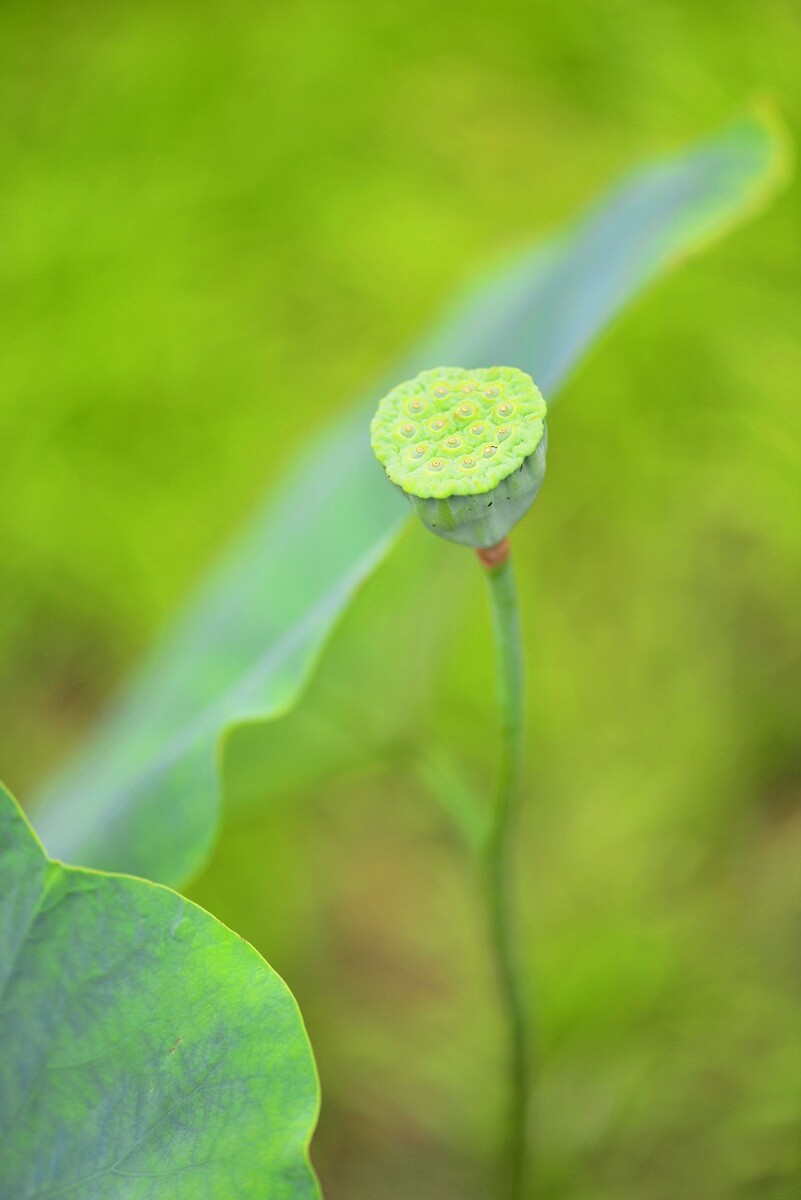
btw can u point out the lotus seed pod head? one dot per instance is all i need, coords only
(467, 448)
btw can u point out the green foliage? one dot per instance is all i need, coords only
(147, 1051)
(222, 219)
(144, 796)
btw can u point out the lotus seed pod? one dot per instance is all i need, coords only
(467, 448)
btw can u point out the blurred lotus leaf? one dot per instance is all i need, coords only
(144, 795)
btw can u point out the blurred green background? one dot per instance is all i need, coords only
(208, 207)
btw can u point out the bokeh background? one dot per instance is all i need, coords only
(209, 207)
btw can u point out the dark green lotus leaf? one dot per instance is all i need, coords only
(147, 1051)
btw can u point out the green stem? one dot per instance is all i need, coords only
(499, 865)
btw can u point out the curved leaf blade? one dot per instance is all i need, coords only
(147, 1051)
(144, 795)
(370, 695)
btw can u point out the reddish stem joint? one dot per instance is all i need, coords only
(494, 556)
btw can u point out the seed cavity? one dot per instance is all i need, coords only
(419, 451)
(491, 393)
(477, 429)
(490, 451)
(408, 430)
(503, 433)
(468, 462)
(415, 405)
(466, 410)
(441, 390)
(505, 409)
(453, 442)
(436, 464)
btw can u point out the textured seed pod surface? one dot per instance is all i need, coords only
(453, 432)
